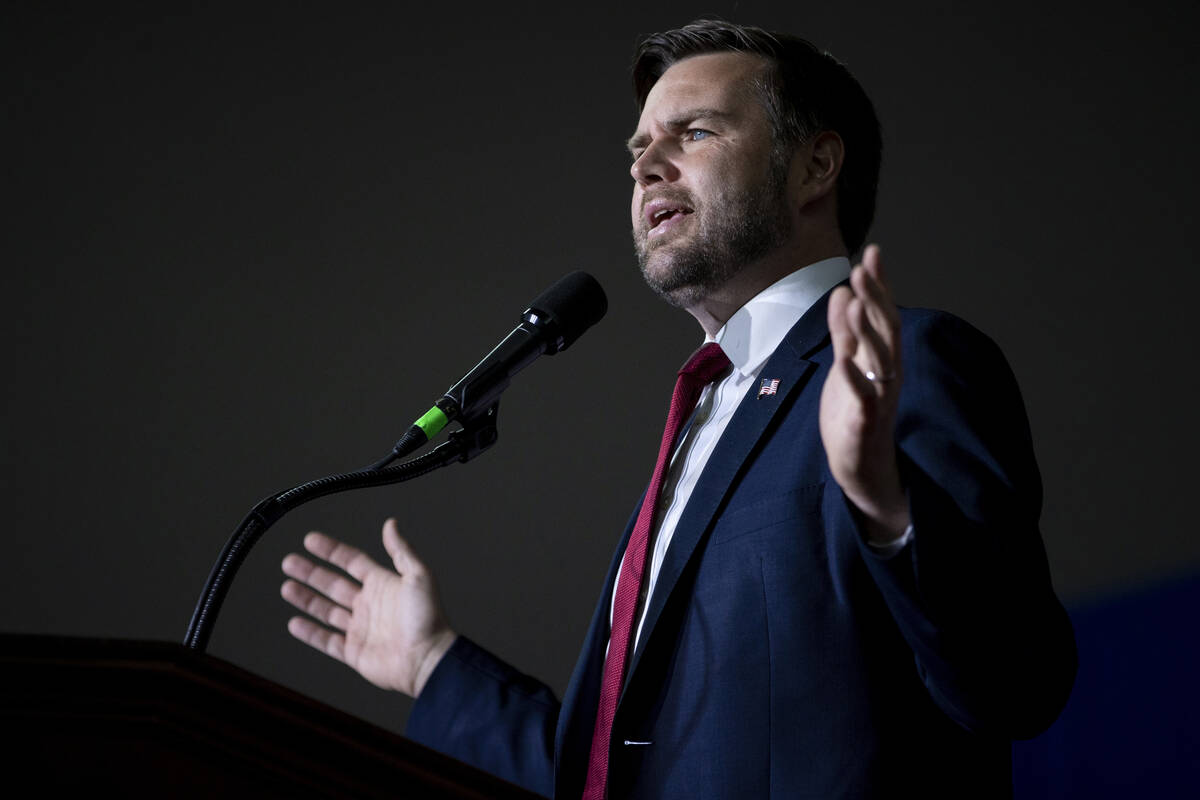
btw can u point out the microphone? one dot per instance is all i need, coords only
(551, 324)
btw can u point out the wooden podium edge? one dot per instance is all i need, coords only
(222, 713)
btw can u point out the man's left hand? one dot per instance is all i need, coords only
(859, 399)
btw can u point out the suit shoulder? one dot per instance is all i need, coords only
(944, 332)
(936, 318)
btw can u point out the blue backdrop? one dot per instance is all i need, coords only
(1129, 729)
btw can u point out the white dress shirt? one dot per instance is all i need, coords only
(748, 339)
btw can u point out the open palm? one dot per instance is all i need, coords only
(386, 625)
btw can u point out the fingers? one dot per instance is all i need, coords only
(329, 583)
(312, 634)
(872, 289)
(844, 307)
(864, 325)
(316, 606)
(873, 260)
(840, 332)
(874, 356)
(863, 388)
(351, 559)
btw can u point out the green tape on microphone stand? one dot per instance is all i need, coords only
(432, 422)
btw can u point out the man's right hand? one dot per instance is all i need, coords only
(386, 625)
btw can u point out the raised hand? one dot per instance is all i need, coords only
(860, 396)
(387, 625)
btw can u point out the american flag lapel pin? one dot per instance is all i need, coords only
(768, 386)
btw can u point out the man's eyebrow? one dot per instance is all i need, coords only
(637, 142)
(681, 120)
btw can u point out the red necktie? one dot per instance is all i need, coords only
(705, 364)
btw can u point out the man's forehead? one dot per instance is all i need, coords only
(711, 80)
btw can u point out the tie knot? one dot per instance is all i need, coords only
(706, 364)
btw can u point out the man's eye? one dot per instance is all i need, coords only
(695, 134)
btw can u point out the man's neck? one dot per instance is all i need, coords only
(715, 309)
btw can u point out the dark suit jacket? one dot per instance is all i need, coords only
(781, 656)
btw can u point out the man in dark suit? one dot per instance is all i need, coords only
(835, 586)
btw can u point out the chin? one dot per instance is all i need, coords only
(663, 277)
(658, 267)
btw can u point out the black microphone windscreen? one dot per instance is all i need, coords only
(574, 303)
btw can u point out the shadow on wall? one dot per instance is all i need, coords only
(1130, 727)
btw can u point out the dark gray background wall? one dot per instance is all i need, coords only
(246, 248)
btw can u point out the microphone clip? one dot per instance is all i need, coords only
(478, 432)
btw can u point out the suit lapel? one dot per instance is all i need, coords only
(753, 416)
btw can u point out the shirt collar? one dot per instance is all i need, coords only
(754, 331)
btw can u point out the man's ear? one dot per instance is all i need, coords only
(816, 166)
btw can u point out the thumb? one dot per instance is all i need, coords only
(403, 557)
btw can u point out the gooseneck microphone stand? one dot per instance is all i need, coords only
(549, 325)
(477, 434)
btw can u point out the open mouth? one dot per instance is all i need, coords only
(665, 214)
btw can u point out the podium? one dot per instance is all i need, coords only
(155, 719)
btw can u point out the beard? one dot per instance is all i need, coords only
(736, 227)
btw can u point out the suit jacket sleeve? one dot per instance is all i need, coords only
(972, 593)
(480, 710)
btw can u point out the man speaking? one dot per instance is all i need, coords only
(834, 585)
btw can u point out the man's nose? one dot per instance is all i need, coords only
(653, 165)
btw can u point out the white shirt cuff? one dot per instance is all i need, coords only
(889, 549)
